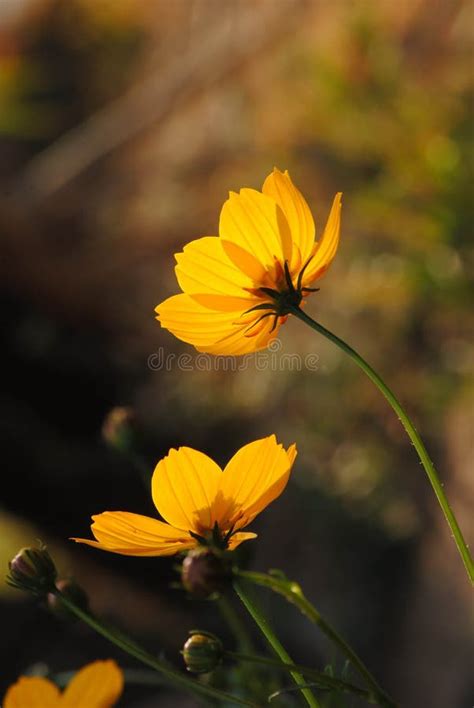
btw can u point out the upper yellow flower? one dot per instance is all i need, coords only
(237, 287)
(200, 502)
(97, 685)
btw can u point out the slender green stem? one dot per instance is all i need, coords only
(137, 677)
(141, 466)
(411, 431)
(292, 592)
(320, 679)
(133, 649)
(274, 642)
(236, 626)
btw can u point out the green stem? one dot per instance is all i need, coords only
(292, 592)
(142, 468)
(138, 463)
(235, 625)
(320, 679)
(133, 649)
(137, 677)
(410, 429)
(274, 642)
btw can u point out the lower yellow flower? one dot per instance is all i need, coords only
(200, 502)
(97, 685)
(238, 286)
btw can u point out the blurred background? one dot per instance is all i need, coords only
(123, 124)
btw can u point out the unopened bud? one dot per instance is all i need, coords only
(73, 592)
(202, 652)
(204, 573)
(118, 429)
(33, 570)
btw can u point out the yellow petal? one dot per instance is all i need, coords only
(326, 248)
(32, 692)
(226, 303)
(212, 331)
(194, 323)
(254, 477)
(184, 487)
(245, 340)
(136, 535)
(239, 538)
(246, 262)
(97, 685)
(205, 269)
(279, 186)
(255, 223)
(292, 452)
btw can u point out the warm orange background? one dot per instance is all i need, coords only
(123, 124)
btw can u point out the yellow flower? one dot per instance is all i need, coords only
(97, 685)
(237, 287)
(200, 502)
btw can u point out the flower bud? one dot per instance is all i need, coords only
(33, 570)
(73, 592)
(118, 429)
(202, 652)
(204, 573)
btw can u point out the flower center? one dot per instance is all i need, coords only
(213, 538)
(284, 298)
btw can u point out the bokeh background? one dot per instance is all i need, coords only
(123, 124)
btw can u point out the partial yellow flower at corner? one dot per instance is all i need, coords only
(237, 286)
(97, 685)
(200, 502)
